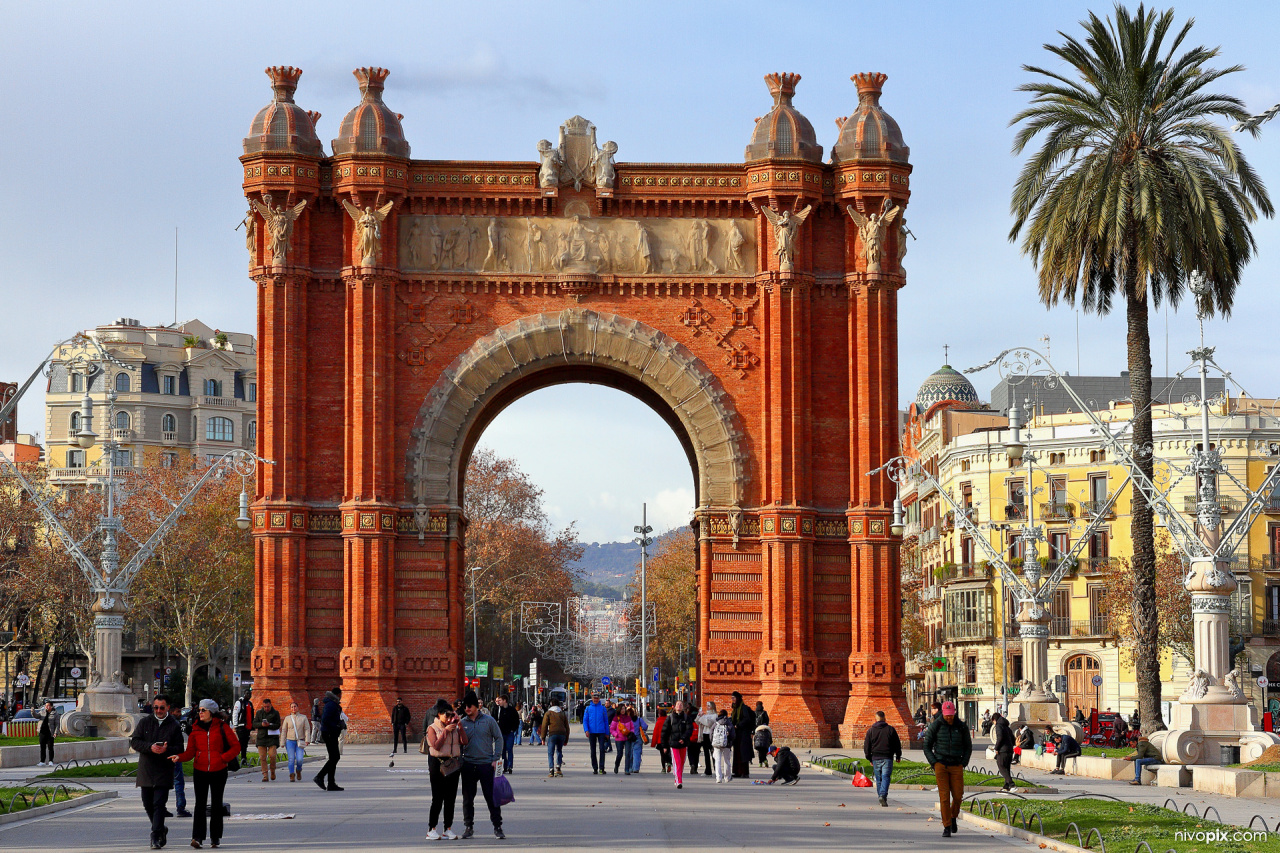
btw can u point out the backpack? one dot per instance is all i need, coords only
(763, 738)
(720, 734)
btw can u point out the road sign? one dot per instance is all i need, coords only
(644, 692)
(168, 670)
(470, 668)
(23, 679)
(655, 675)
(515, 676)
(533, 670)
(499, 671)
(605, 681)
(1097, 681)
(75, 672)
(693, 673)
(482, 668)
(235, 679)
(1262, 682)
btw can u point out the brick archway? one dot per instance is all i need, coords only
(691, 398)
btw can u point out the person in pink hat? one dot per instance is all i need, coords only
(948, 747)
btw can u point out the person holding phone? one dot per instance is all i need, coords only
(157, 737)
(445, 741)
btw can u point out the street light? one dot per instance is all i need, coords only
(1015, 445)
(897, 525)
(86, 436)
(644, 541)
(242, 521)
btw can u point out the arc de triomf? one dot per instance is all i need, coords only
(403, 303)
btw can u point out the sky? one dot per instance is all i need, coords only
(125, 122)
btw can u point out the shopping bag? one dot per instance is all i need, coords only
(991, 753)
(860, 779)
(502, 791)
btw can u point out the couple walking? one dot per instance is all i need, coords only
(464, 749)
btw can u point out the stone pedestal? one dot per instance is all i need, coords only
(1039, 716)
(108, 703)
(1197, 730)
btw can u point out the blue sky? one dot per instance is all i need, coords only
(125, 121)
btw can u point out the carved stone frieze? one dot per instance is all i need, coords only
(577, 243)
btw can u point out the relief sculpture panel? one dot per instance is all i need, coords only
(530, 244)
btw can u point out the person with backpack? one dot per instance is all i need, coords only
(211, 748)
(786, 767)
(762, 740)
(948, 746)
(723, 737)
(882, 747)
(676, 732)
(242, 719)
(555, 732)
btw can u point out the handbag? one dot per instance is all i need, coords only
(991, 753)
(502, 792)
(234, 764)
(449, 764)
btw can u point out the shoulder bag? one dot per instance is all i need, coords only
(234, 764)
(449, 764)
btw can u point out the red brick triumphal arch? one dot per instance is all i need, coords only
(403, 303)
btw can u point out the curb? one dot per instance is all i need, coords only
(899, 786)
(52, 808)
(1043, 841)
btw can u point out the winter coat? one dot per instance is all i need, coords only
(400, 715)
(882, 741)
(263, 721)
(785, 765)
(676, 731)
(296, 728)
(1027, 739)
(763, 737)
(948, 743)
(1146, 749)
(744, 723)
(622, 728)
(508, 720)
(762, 718)
(657, 730)
(331, 717)
(156, 771)
(48, 723)
(484, 739)
(242, 714)
(554, 722)
(211, 746)
(595, 719)
(1002, 740)
(706, 722)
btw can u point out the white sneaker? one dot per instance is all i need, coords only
(433, 836)
(450, 835)
(393, 753)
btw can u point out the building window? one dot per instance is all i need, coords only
(171, 385)
(122, 420)
(75, 458)
(213, 388)
(77, 383)
(251, 392)
(1097, 455)
(122, 383)
(219, 429)
(970, 669)
(123, 459)
(75, 423)
(168, 424)
(1057, 459)
(964, 464)
(252, 431)
(1098, 489)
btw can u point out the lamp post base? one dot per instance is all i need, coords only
(1197, 731)
(107, 706)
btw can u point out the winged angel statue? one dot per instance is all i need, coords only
(279, 220)
(785, 225)
(368, 229)
(872, 231)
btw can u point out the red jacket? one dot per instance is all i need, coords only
(211, 748)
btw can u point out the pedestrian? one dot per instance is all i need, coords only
(1144, 755)
(786, 767)
(445, 742)
(622, 730)
(986, 723)
(242, 715)
(695, 741)
(508, 719)
(535, 725)
(555, 732)
(676, 732)
(642, 737)
(482, 745)
(1079, 718)
(664, 753)
(882, 747)
(400, 718)
(744, 726)
(920, 717)
(316, 710)
(1064, 746)
(707, 722)
(722, 739)
(157, 737)
(595, 725)
(935, 711)
(610, 712)
(762, 716)
(761, 741)
(331, 726)
(296, 731)
(266, 727)
(1135, 720)
(947, 748)
(1003, 741)
(211, 746)
(48, 730)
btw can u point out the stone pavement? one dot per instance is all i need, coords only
(387, 811)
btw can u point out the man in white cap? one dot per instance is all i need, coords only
(948, 747)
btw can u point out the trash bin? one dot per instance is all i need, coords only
(92, 731)
(1228, 754)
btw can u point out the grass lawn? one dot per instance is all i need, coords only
(1261, 768)
(33, 741)
(19, 804)
(1111, 751)
(1123, 825)
(109, 770)
(915, 773)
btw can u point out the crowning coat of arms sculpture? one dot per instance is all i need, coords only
(577, 159)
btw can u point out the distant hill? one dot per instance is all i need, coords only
(607, 565)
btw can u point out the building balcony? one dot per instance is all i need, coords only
(1096, 565)
(965, 631)
(92, 474)
(1272, 504)
(1229, 506)
(1057, 511)
(1015, 512)
(1265, 563)
(962, 571)
(1094, 509)
(218, 402)
(928, 536)
(124, 435)
(1097, 626)
(169, 437)
(1270, 628)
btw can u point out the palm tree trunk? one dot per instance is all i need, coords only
(1146, 615)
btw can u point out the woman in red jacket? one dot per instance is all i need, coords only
(212, 744)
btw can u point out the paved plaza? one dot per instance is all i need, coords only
(387, 810)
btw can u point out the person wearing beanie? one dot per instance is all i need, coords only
(948, 747)
(445, 742)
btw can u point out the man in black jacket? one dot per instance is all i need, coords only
(158, 736)
(399, 726)
(947, 748)
(1002, 740)
(508, 722)
(331, 726)
(48, 728)
(786, 767)
(882, 747)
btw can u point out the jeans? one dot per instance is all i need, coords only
(209, 787)
(508, 751)
(677, 763)
(534, 738)
(950, 779)
(637, 748)
(1139, 763)
(623, 758)
(179, 787)
(444, 793)
(330, 767)
(882, 768)
(154, 801)
(482, 774)
(294, 750)
(399, 734)
(520, 735)
(555, 751)
(600, 741)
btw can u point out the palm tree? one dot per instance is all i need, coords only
(1134, 186)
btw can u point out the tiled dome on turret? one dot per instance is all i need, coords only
(870, 133)
(371, 128)
(282, 126)
(784, 133)
(947, 384)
